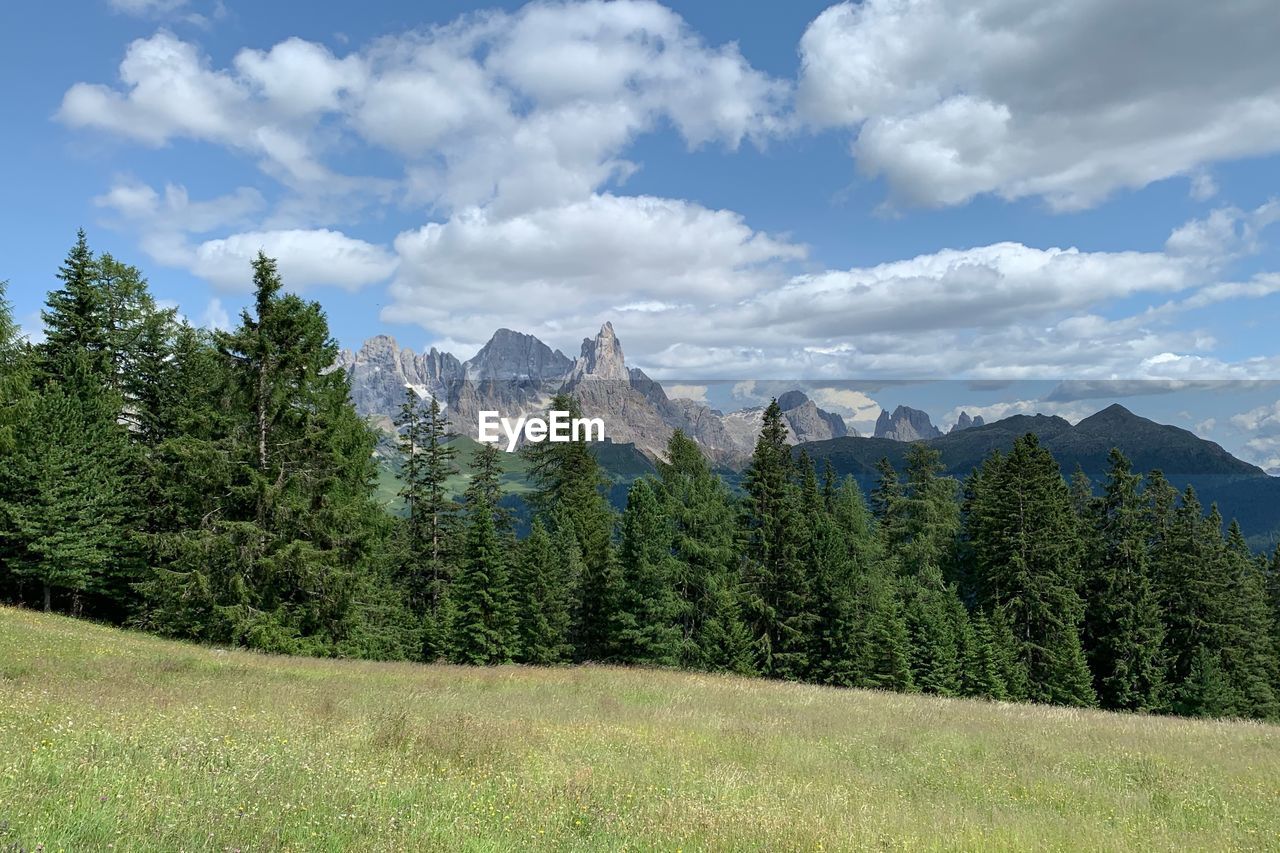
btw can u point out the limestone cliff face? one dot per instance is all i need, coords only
(965, 422)
(906, 424)
(380, 371)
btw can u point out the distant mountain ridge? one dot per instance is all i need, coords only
(1241, 490)
(517, 374)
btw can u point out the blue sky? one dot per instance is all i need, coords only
(745, 190)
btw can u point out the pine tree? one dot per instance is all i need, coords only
(70, 513)
(543, 590)
(430, 529)
(644, 609)
(1248, 650)
(74, 318)
(984, 666)
(483, 627)
(1023, 533)
(1124, 631)
(776, 580)
(277, 532)
(708, 583)
(569, 494)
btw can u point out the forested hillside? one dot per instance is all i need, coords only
(220, 487)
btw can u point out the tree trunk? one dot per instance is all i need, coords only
(48, 599)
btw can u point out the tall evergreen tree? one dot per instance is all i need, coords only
(542, 581)
(483, 627)
(644, 609)
(1249, 653)
(780, 604)
(703, 544)
(569, 494)
(431, 526)
(1027, 561)
(281, 535)
(1124, 631)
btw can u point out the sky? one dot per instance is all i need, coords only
(895, 189)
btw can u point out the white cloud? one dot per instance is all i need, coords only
(306, 259)
(697, 393)
(1203, 186)
(858, 409)
(570, 266)
(950, 99)
(476, 108)
(216, 316)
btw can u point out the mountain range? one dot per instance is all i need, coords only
(517, 374)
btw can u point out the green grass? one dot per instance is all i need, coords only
(112, 738)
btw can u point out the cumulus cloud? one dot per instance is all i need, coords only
(696, 393)
(477, 108)
(858, 409)
(171, 226)
(948, 99)
(573, 265)
(307, 258)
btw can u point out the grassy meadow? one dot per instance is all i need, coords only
(115, 740)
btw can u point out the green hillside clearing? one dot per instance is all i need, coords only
(113, 738)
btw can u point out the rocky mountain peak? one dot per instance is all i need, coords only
(511, 355)
(965, 422)
(602, 358)
(792, 400)
(906, 424)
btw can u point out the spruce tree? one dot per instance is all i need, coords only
(1248, 649)
(780, 605)
(708, 583)
(569, 494)
(279, 534)
(430, 529)
(1124, 631)
(69, 512)
(542, 584)
(483, 624)
(644, 609)
(1027, 562)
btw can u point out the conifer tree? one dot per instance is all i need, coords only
(74, 318)
(644, 609)
(483, 627)
(1124, 632)
(777, 583)
(543, 590)
(281, 534)
(1249, 653)
(430, 529)
(714, 633)
(70, 512)
(569, 494)
(1026, 560)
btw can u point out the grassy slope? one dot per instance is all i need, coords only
(111, 737)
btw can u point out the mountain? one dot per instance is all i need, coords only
(905, 424)
(966, 422)
(517, 374)
(1243, 491)
(380, 370)
(514, 356)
